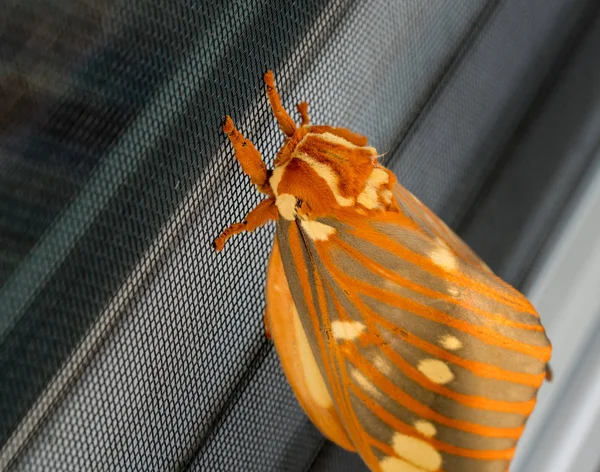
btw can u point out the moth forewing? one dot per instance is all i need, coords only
(296, 355)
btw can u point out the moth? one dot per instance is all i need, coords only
(399, 342)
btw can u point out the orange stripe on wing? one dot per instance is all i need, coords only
(472, 401)
(475, 367)
(373, 236)
(478, 368)
(340, 396)
(482, 332)
(400, 396)
(407, 283)
(444, 447)
(297, 255)
(485, 334)
(427, 413)
(431, 221)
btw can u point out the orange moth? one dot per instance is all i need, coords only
(398, 341)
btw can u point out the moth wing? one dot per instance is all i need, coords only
(297, 359)
(432, 362)
(434, 227)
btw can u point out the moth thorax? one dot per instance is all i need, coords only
(325, 171)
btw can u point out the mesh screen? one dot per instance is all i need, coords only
(125, 341)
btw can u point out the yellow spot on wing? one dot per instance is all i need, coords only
(444, 257)
(364, 382)
(417, 452)
(391, 464)
(347, 330)
(317, 231)
(425, 428)
(382, 365)
(452, 343)
(435, 370)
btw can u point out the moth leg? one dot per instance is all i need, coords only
(264, 212)
(286, 123)
(248, 157)
(302, 108)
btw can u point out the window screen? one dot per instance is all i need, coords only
(126, 342)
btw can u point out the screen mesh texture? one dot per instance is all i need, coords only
(126, 342)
